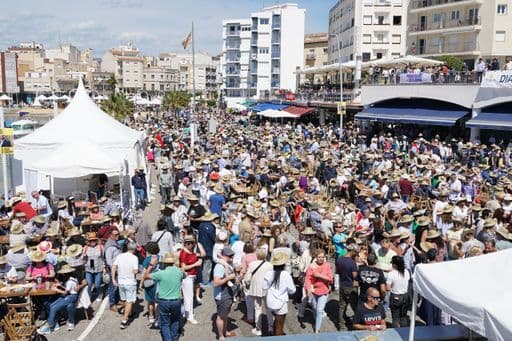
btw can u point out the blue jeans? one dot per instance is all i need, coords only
(139, 197)
(319, 302)
(94, 278)
(69, 303)
(169, 315)
(113, 297)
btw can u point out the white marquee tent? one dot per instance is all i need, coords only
(82, 120)
(476, 291)
(271, 113)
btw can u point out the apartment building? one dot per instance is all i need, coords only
(127, 64)
(467, 29)
(159, 78)
(8, 73)
(67, 52)
(316, 54)
(372, 29)
(261, 54)
(30, 57)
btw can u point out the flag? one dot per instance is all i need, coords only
(186, 42)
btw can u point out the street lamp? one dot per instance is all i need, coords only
(336, 36)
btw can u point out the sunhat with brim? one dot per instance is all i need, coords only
(39, 219)
(52, 232)
(423, 221)
(15, 200)
(393, 234)
(253, 214)
(176, 198)
(507, 197)
(279, 258)
(102, 199)
(267, 233)
(433, 233)
(209, 216)
(504, 233)
(308, 231)
(73, 232)
(92, 236)
(62, 204)
(170, 258)
(476, 208)
(66, 269)
(405, 234)
(406, 219)
(3, 260)
(38, 256)
(447, 209)
(45, 246)
(395, 195)
(17, 228)
(114, 213)
(191, 197)
(458, 220)
(489, 223)
(218, 189)
(74, 250)
(20, 215)
(426, 246)
(189, 238)
(274, 203)
(465, 232)
(17, 248)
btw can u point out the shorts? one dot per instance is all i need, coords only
(281, 311)
(128, 292)
(224, 307)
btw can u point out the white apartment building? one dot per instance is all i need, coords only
(67, 52)
(373, 29)
(126, 63)
(467, 29)
(159, 78)
(261, 54)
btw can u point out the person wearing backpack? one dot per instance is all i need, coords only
(94, 264)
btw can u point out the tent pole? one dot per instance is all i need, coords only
(413, 315)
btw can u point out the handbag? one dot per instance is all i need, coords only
(106, 277)
(248, 283)
(148, 283)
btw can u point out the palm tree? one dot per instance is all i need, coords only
(112, 83)
(175, 100)
(117, 106)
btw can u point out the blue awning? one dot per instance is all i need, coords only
(412, 115)
(266, 106)
(490, 120)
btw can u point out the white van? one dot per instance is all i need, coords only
(23, 127)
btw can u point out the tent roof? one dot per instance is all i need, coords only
(5, 98)
(475, 291)
(272, 113)
(81, 119)
(76, 159)
(409, 59)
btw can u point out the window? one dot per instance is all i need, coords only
(380, 20)
(263, 50)
(263, 21)
(397, 20)
(367, 38)
(437, 17)
(455, 15)
(500, 36)
(245, 29)
(367, 20)
(396, 39)
(395, 55)
(379, 37)
(502, 9)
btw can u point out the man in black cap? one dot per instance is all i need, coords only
(223, 278)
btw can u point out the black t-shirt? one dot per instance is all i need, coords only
(369, 277)
(345, 266)
(196, 212)
(369, 317)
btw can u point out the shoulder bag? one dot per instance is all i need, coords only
(248, 283)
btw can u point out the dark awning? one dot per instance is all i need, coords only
(299, 111)
(266, 106)
(412, 115)
(490, 120)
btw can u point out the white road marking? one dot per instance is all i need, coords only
(94, 321)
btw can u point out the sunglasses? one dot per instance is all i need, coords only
(189, 243)
(375, 298)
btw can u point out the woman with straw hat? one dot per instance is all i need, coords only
(94, 264)
(279, 285)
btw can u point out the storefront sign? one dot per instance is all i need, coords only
(6, 141)
(497, 79)
(415, 78)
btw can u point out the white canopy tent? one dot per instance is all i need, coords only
(82, 120)
(407, 60)
(5, 98)
(271, 113)
(332, 68)
(41, 98)
(476, 291)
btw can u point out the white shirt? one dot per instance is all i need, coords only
(165, 243)
(126, 263)
(238, 249)
(398, 282)
(277, 295)
(43, 202)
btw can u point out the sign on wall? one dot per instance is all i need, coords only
(415, 78)
(497, 79)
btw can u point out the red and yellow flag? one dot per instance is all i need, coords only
(186, 42)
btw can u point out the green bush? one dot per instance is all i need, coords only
(452, 62)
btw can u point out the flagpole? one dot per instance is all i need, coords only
(192, 116)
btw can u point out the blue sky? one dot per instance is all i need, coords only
(153, 25)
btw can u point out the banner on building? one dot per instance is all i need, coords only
(497, 79)
(10, 76)
(415, 78)
(6, 141)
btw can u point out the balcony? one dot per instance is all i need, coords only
(469, 24)
(233, 47)
(235, 33)
(276, 25)
(276, 70)
(276, 41)
(254, 56)
(419, 5)
(231, 72)
(233, 60)
(451, 48)
(275, 84)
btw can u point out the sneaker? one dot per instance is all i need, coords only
(44, 330)
(198, 300)
(192, 321)
(256, 332)
(57, 327)
(71, 326)
(124, 324)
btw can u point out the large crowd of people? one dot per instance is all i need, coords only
(280, 217)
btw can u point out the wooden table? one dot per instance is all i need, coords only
(14, 293)
(42, 292)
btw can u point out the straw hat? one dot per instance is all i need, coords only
(92, 236)
(3, 260)
(73, 232)
(17, 248)
(405, 234)
(279, 258)
(189, 238)
(425, 246)
(433, 233)
(423, 221)
(62, 204)
(66, 269)
(465, 232)
(406, 219)
(209, 216)
(393, 234)
(267, 233)
(38, 256)
(218, 189)
(274, 203)
(191, 197)
(448, 209)
(489, 223)
(39, 219)
(308, 231)
(52, 232)
(17, 228)
(176, 198)
(170, 258)
(502, 232)
(74, 250)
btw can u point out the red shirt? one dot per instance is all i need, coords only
(405, 187)
(188, 258)
(24, 207)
